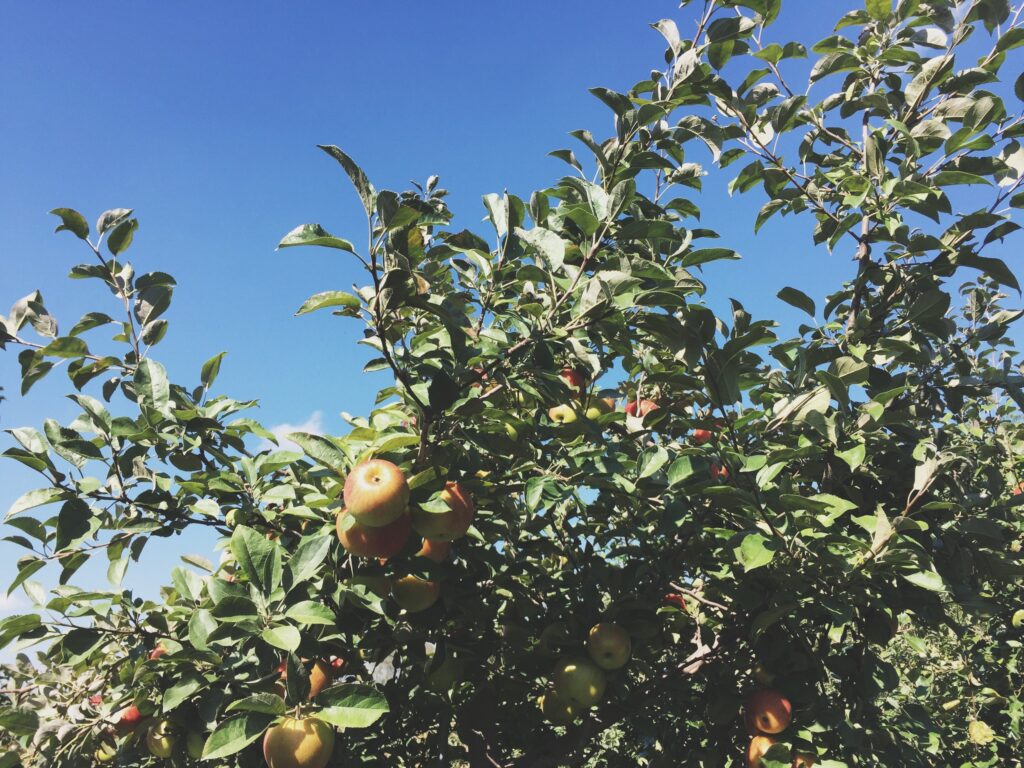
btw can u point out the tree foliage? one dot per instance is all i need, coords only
(847, 530)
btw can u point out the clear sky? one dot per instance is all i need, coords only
(203, 117)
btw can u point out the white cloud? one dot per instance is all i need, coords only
(11, 603)
(314, 425)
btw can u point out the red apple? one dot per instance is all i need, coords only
(640, 407)
(701, 436)
(95, 699)
(364, 541)
(768, 711)
(574, 378)
(376, 493)
(446, 526)
(157, 652)
(127, 720)
(435, 550)
(718, 472)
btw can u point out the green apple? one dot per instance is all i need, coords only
(557, 709)
(609, 645)
(160, 739)
(562, 414)
(579, 681)
(1018, 619)
(194, 744)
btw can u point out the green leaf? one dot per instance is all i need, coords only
(182, 689)
(307, 557)
(200, 624)
(72, 221)
(285, 637)
(110, 218)
(152, 386)
(66, 346)
(258, 557)
(352, 705)
(309, 612)
(267, 703)
(798, 299)
(879, 9)
(362, 184)
(314, 234)
(329, 299)
(929, 580)
(36, 498)
(121, 236)
(704, 255)
(236, 733)
(754, 551)
(210, 369)
(680, 469)
(651, 461)
(72, 522)
(322, 450)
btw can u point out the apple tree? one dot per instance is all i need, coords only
(589, 522)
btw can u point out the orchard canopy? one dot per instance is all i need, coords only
(590, 522)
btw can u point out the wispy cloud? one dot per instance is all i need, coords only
(314, 425)
(11, 603)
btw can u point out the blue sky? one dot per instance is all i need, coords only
(203, 118)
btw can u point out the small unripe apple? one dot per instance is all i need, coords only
(231, 518)
(511, 431)
(1018, 619)
(609, 645)
(557, 709)
(376, 493)
(159, 738)
(562, 414)
(194, 744)
(106, 751)
(298, 743)
(579, 681)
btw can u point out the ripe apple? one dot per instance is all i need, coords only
(194, 744)
(415, 594)
(562, 414)
(608, 645)
(1018, 619)
(599, 406)
(557, 709)
(758, 747)
(579, 681)
(450, 525)
(769, 710)
(160, 739)
(701, 436)
(320, 676)
(1019, 489)
(298, 743)
(364, 541)
(803, 760)
(640, 407)
(376, 493)
(435, 550)
(575, 378)
(127, 720)
(157, 652)
(718, 472)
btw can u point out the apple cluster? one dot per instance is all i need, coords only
(578, 683)
(766, 714)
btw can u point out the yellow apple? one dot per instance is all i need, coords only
(562, 414)
(449, 525)
(579, 681)
(1018, 619)
(298, 743)
(376, 493)
(159, 738)
(415, 594)
(557, 709)
(106, 751)
(609, 645)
